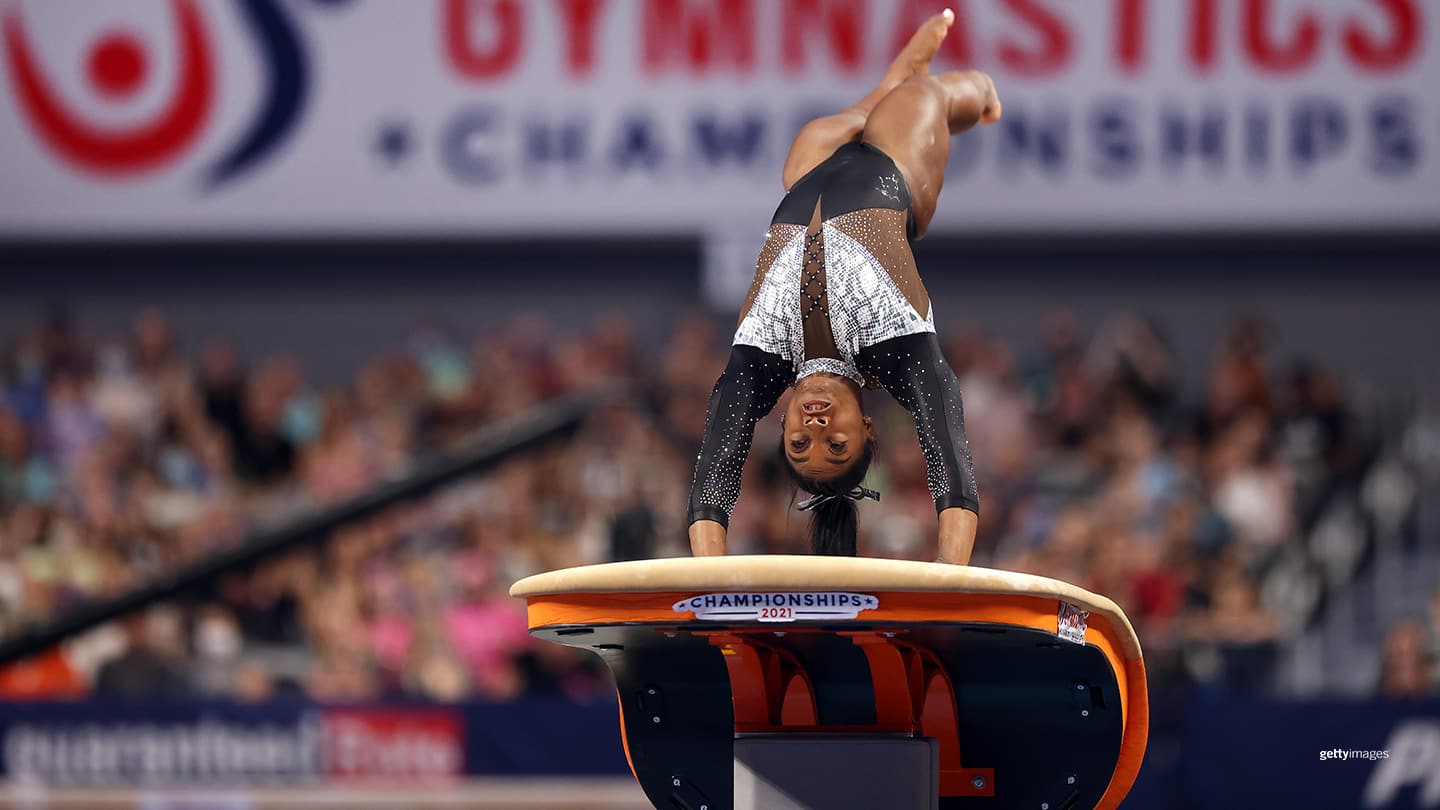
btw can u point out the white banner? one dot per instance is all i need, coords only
(179, 118)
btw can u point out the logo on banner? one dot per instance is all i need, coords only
(1071, 624)
(401, 743)
(777, 607)
(118, 66)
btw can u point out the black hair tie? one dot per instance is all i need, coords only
(857, 494)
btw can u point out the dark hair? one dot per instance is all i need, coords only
(834, 524)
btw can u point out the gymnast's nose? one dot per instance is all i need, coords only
(820, 420)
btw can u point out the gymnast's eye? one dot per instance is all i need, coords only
(798, 444)
(837, 447)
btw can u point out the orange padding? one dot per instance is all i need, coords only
(1036, 612)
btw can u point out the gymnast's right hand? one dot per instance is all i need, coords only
(707, 539)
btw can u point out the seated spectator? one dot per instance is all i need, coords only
(1407, 666)
(145, 668)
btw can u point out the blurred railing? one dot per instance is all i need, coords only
(485, 450)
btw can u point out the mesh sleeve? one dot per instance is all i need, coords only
(750, 386)
(913, 369)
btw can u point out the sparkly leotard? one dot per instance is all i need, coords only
(836, 290)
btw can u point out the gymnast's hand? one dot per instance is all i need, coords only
(707, 539)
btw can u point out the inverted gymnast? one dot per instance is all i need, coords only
(836, 305)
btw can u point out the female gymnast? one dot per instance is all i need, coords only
(837, 304)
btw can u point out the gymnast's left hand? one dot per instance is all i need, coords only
(707, 539)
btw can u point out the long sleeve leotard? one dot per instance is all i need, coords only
(836, 290)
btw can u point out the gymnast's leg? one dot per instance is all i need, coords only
(820, 138)
(913, 124)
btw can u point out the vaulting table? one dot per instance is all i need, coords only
(833, 682)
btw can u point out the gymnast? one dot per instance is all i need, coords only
(836, 306)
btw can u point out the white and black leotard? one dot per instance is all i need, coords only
(836, 290)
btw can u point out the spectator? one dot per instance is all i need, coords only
(217, 646)
(144, 668)
(47, 676)
(1235, 637)
(1407, 666)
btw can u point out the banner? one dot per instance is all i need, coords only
(108, 743)
(1224, 754)
(190, 118)
(1362, 755)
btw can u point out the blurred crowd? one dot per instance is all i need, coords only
(125, 456)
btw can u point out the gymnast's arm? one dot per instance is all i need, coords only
(750, 386)
(913, 369)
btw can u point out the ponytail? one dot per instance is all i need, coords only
(835, 528)
(835, 522)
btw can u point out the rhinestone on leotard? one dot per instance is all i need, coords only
(829, 365)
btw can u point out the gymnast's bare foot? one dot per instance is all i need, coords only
(914, 58)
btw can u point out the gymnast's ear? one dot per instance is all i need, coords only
(869, 427)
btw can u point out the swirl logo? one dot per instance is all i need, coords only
(118, 66)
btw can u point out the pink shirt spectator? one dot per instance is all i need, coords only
(486, 633)
(391, 636)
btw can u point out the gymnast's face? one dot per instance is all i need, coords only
(823, 429)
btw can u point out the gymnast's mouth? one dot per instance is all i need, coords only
(815, 406)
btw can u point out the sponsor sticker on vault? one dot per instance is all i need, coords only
(1071, 626)
(777, 607)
